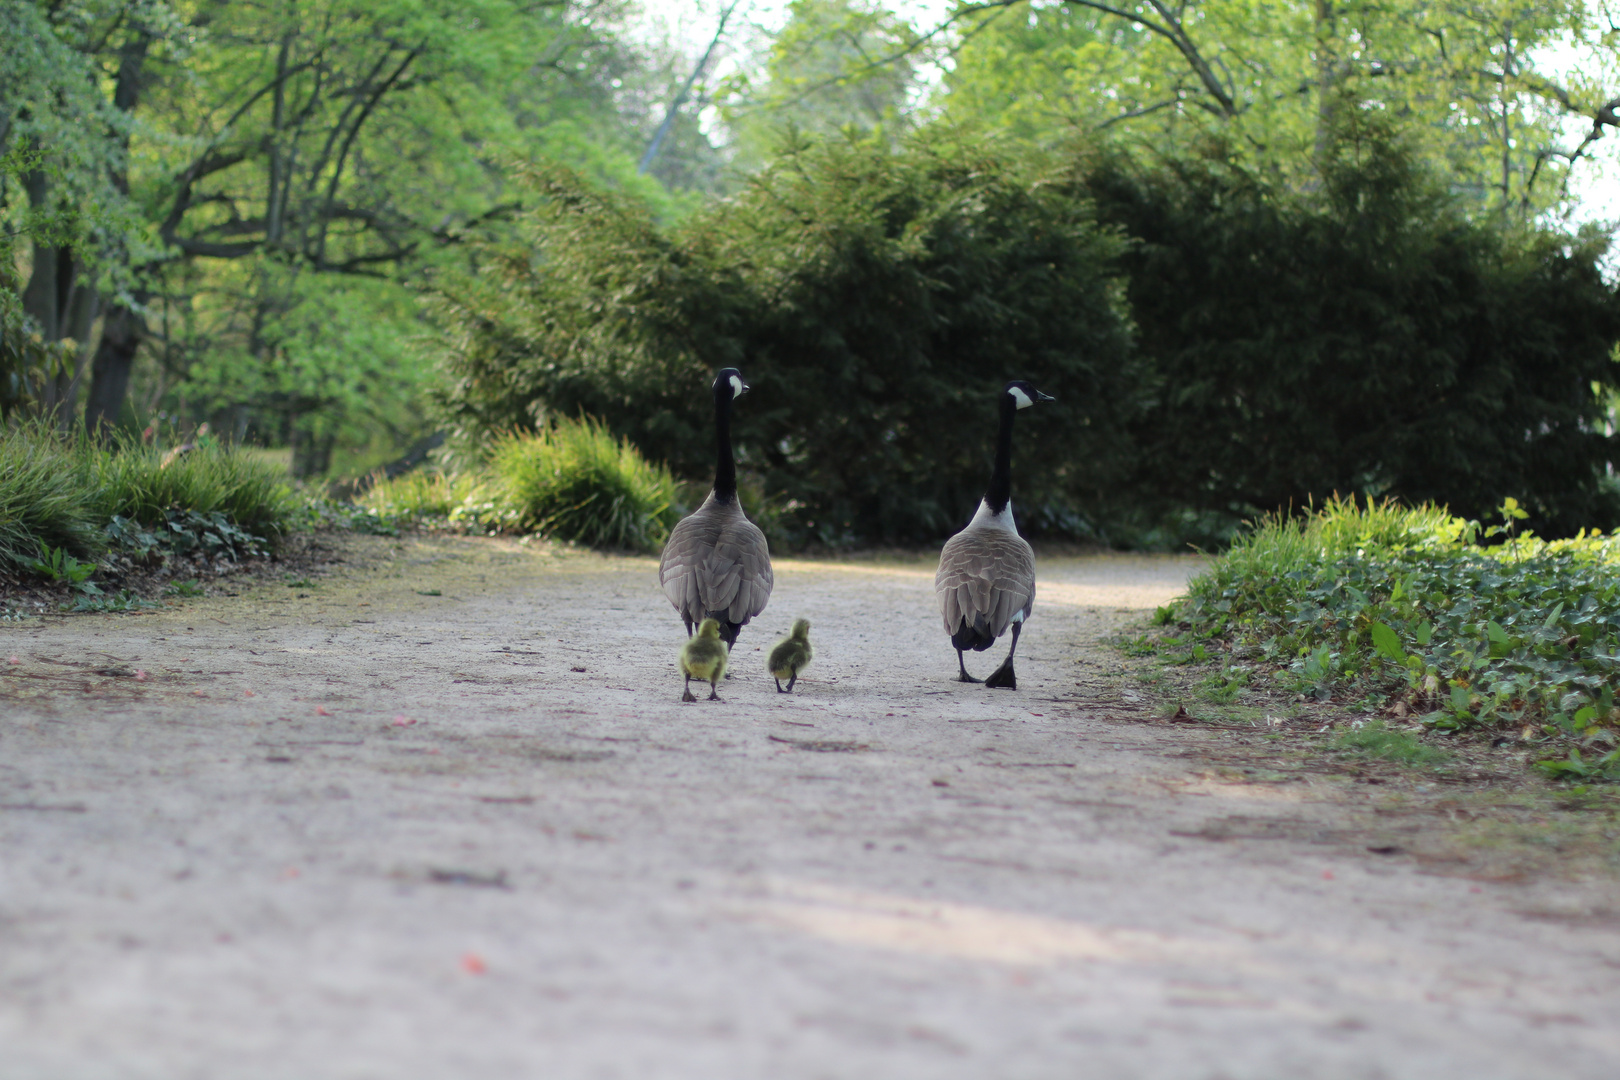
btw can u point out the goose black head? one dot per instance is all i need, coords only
(728, 384)
(1024, 395)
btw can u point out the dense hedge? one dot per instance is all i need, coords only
(1365, 340)
(1218, 345)
(875, 303)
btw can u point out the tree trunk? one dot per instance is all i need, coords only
(124, 327)
(109, 376)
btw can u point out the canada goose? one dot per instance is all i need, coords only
(790, 656)
(986, 577)
(716, 563)
(703, 657)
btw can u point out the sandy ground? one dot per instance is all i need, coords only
(352, 830)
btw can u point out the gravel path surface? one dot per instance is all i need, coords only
(352, 830)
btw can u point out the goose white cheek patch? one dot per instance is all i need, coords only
(1022, 398)
(736, 386)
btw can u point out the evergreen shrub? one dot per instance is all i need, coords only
(1366, 338)
(1220, 345)
(875, 302)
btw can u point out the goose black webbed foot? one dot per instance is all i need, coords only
(712, 695)
(962, 667)
(779, 689)
(1003, 678)
(791, 680)
(687, 695)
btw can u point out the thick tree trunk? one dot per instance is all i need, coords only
(109, 376)
(124, 327)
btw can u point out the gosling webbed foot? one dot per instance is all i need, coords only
(712, 695)
(687, 695)
(791, 680)
(779, 689)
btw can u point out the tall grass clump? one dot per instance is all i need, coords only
(1406, 606)
(421, 495)
(574, 481)
(45, 500)
(132, 481)
(67, 492)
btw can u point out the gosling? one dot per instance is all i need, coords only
(704, 658)
(791, 655)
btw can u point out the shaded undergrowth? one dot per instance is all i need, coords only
(1405, 611)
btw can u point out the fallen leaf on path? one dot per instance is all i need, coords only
(320, 710)
(473, 964)
(14, 660)
(247, 693)
(141, 675)
(403, 721)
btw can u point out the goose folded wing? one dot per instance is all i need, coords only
(680, 569)
(984, 576)
(735, 582)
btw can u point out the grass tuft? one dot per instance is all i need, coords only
(75, 495)
(1378, 741)
(574, 481)
(44, 499)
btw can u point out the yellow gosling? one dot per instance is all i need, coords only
(790, 656)
(704, 657)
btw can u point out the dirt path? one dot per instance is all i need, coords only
(367, 832)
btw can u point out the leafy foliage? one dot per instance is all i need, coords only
(571, 481)
(67, 500)
(1368, 339)
(1381, 600)
(574, 481)
(1365, 338)
(1484, 89)
(875, 302)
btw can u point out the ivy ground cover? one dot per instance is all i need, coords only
(1422, 613)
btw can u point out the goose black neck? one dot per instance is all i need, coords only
(725, 466)
(1000, 490)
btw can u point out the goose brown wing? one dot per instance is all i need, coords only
(717, 563)
(988, 574)
(681, 567)
(739, 577)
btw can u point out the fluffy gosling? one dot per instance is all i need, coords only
(790, 656)
(704, 658)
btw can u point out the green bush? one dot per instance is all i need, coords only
(132, 481)
(1221, 344)
(1365, 338)
(44, 499)
(1389, 602)
(875, 302)
(574, 481)
(76, 495)
(420, 494)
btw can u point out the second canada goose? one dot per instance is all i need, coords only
(716, 563)
(790, 656)
(986, 577)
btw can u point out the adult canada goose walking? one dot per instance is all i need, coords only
(986, 577)
(716, 564)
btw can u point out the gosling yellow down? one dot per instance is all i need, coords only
(790, 656)
(704, 657)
